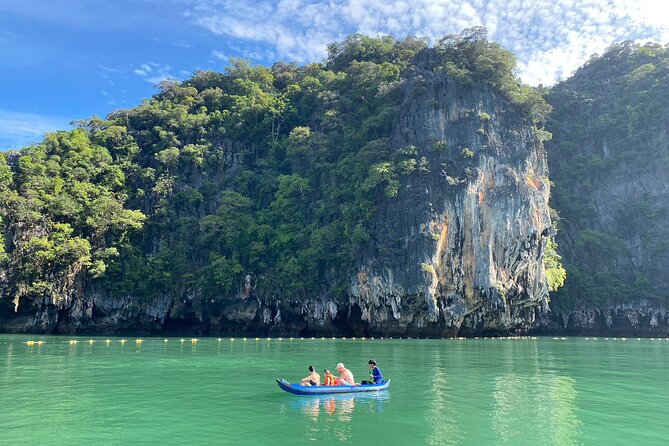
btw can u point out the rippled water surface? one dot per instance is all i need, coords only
(486, 391)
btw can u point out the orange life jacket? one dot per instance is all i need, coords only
(329, 380)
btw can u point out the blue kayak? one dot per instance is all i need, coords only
(298, 389)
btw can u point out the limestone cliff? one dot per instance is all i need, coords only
(609, 160)
(398, 192)
(464, 249)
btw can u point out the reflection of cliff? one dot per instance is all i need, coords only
(539, 407)
(442, 416)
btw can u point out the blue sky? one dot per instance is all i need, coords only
(64, 60)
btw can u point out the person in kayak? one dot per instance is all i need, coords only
(330, 380)
(314, 379)
(376, 375)
(345, 376)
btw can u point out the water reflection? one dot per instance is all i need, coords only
(334, 414)
(442, 415)
(340, 407)
(544, 405)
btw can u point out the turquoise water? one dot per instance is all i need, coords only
(477, 391)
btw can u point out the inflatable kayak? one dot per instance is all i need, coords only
(298, 389)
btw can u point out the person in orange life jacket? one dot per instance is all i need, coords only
(330, 380)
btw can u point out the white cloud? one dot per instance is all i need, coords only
(108, 69)
(155, 73)
(550, 38)
(18, 129)
(219, 55)
(176, 44)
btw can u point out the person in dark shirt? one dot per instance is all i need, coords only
(376, 375)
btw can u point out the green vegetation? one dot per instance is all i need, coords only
(483, 116)
(467, 153)
(440, 146)
(554, 270)
(609, 128)
(471, 59)
(273, 172)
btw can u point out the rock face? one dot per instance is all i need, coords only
(640, 318)
(609, 161)
(458, 250)
(464, 254)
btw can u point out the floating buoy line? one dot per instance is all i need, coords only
(194, 341)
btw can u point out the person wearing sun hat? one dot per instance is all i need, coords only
(345, 376)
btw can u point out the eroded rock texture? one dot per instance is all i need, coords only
(464, 250)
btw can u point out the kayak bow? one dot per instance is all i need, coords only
(298, 389)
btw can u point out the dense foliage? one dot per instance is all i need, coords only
(610, 146)
(271, 172)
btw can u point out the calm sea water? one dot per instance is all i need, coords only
(471, 392)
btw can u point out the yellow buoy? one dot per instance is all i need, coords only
(219, 339)
(182, 340)
(107, 341)
(90, 341)
(122, 341)
(244, 339)
(193, 341)
(73, 341)
(30, 343)
(165, 340)
(139, 341)
(41, 342)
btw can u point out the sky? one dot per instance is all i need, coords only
(66, 60)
